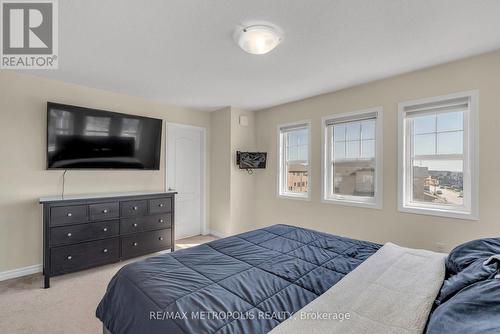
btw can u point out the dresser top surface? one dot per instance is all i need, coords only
(68, 198)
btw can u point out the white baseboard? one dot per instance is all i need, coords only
(215, 233)
(19, 272)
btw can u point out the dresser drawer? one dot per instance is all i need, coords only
(160, 205)
(84, 232)
(133, 208)
(69, 234)
(65, 215)
(104, 211)
(146, 242)
(133, 225)
(105, 229)
(75, 257)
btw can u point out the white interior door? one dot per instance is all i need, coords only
(185, 174)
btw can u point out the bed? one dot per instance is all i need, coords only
(264, 280)
(275, 270)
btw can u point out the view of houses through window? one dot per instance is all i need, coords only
(352, 158)
(297, 162)
(353, 163)
(437, 158)
(436, 148)
(294, 166)
(297, 178)
(438, 155)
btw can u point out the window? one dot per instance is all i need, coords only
(294, 165)
(438, 156)
(352, 158)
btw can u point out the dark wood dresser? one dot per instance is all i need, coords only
(81, 232)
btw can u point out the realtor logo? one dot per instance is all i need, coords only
(29, 34)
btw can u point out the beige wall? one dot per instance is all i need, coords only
(482, 72)
(220, 171)
(23, 178)
(232, 193)
(242, 183)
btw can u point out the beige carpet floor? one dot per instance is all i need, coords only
(68, 307)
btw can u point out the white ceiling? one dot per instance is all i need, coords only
(182, 52)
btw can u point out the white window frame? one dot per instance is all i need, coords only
(282, 175)
(326, 197)
(470, 157)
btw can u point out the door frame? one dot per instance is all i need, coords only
(203, 178)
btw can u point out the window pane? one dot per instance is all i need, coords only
(293, 138)
(354, 178)
(352, 150)
(293, 153)
(424, 124)
(302, 137)
(368, 129)
(293, 172)
(303, 152)
(352, 171)
(438, 181)
(424, 144)
(339, 151)
(450, 121)
(353, 131)
(339, 132)
(297, 178)
(368, 149)
(450, 142)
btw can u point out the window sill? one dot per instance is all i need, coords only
(438, 212)
(346, 202)
(295, 196)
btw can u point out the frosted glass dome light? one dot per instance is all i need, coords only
(259, 39)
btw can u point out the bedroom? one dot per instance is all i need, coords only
(379, 125)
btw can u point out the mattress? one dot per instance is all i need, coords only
(247, 283)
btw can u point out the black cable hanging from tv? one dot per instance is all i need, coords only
(63, 182)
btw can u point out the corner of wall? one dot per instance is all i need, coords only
(232, 198)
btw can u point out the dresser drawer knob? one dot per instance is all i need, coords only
(135, 225)
(135, 208)
(161, 238)
(70, 214)
(69, 257)
(105, 229)
(161, 205)
(105, 250)
(161, 221)
(105, 211)
(69, 235)
(135, 244)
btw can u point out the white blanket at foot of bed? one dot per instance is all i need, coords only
(391, 292)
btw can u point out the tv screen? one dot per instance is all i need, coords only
(82, 138)
(251, 160)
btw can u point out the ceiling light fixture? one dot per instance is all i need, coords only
(259, 39)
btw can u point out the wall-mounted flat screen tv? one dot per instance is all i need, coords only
(81, 138)
(251, 160)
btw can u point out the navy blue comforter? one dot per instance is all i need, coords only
(247, 283)
(469, 300)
